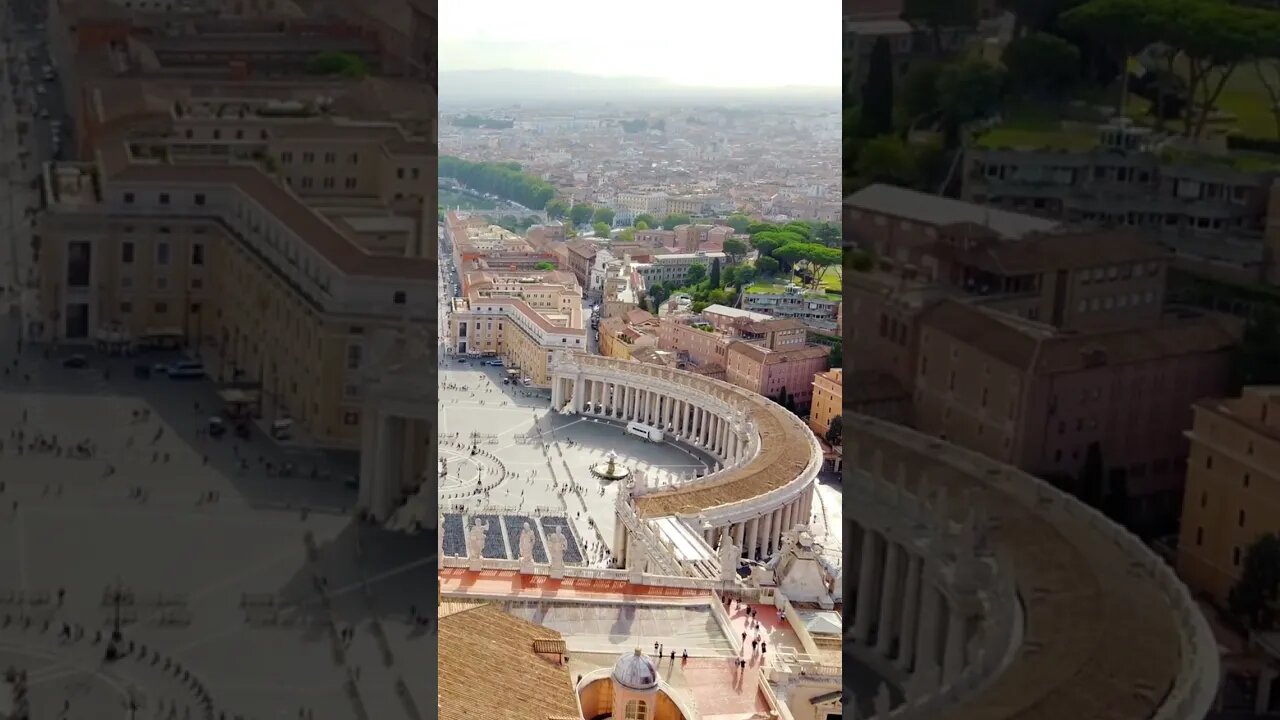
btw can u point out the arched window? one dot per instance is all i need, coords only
(636, 710)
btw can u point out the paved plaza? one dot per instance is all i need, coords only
(217, 564)
(546, 455)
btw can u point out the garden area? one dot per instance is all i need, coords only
(1189, 68)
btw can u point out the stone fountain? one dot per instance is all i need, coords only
(610, 469)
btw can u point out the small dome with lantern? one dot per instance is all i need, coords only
(636, 671)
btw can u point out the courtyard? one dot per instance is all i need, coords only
(547, 457)
(235, 588)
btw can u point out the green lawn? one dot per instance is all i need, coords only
(831, 281)
(449, 199)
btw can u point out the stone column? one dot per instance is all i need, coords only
(766, 535)
(557, 390)
(888, 600)
(369, 458)
(753, 537)
(930, 615)
(953, 658)
(910, 613)
(579, 393)
(866, 584)
(738, 533)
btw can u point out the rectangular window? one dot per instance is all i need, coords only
(79, 267)
(200, 198)
(164, 198)
(128, 198)
(197, 253)
(126, 308)
(355, 354)
(162, 253)
(126, 252)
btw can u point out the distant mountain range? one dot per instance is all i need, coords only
(510, 87)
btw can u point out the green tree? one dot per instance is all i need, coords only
(828, 233)
(969, 90)
(659, 292)
(758, 227)
(730, 276)
(835, 358)
(603, 215)
(820, 258)
(859, 261)
(1256, 360)
(627, 235)
(886, 159)
(735, 249)
(506, 180)
(876, 112)
(671, 221)
(919, 96)
(696, 274)
(544, 265)
(714, 278)
(601, 229)
(766, 265)
(337, 63)
(835, 431)
(1254, 596)
(1124, 26)
(645, 219)
(738, 222)
(1215, 38)
(580, 214)
(799, 227)
(789, 254)
(1042, 63)
(557, 209)
(939, 15)
(642, 225)
(745, 274)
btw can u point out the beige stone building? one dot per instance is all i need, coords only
(269, 244)
(827, 400)
(1233, 487)
(520, 317)
(624, 335)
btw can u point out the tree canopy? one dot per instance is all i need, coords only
(501, 179)
(603, 215)
(581, 213)
(1042, 63)
(671, 221)
(876, 117)
(1254, 596)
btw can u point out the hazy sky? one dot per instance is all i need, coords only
(721, 43)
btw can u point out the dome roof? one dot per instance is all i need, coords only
(636, 671)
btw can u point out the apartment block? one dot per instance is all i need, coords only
(1208, 211)
(1233, 487)
(625, 335)
(674, 268)
(521, 317)
(764, 356)
(826, 400)
(269, 291)
(1036, 397)
(691, 238)
(900, 225)
(817, 310)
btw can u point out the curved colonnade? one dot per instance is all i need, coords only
(767, 458)
(987, 593)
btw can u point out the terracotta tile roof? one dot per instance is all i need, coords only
(491, 668)
(289, 209)
(1042, 350)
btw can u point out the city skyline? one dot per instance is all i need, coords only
(720, 45)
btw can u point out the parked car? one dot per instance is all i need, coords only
(186, 370)
(76, 361)
(217, 427)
